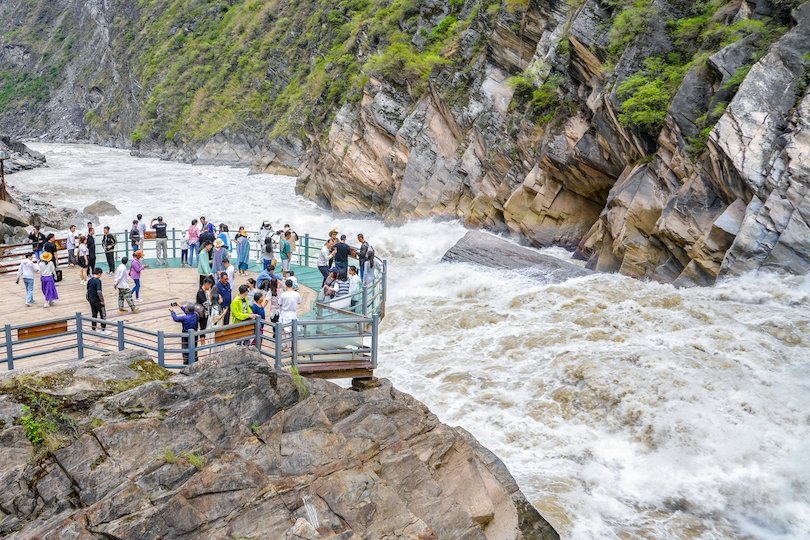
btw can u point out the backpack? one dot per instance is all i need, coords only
(268, 245)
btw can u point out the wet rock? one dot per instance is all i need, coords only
(22, 157)
(101, 208)
(496, 252)
(229, 448)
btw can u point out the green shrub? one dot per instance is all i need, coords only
(628, 24)
(736, 80)
(648, 93)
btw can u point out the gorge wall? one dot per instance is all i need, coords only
(661, 138)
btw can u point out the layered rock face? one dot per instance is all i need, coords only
(644, 205)
(229, 448)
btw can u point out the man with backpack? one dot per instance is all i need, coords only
(134, 236)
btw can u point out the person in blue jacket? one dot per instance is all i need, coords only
(189, 320)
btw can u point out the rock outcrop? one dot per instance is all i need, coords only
(22, 157)
(495, 252)
(229, 448)
(101, 208)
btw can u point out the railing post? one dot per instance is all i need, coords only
(120, 325)
(79, 335)
(126, 244)
(375, 328)
(192, 346)
(258, 333)
(306, 250)
(294, 344)
(160, 351)
(277, 330)
(9, 348)
(174, 243)
(384, 280)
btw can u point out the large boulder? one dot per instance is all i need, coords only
(101, 208)
(230, 448)
(495, 252)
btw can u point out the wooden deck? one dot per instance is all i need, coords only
(159, 287)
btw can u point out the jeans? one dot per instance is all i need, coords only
(29, 290)
(135, 247)
(71, 256)
(192, 252)
(98, 312)
(342, 267)
(183, 256)
(325, 273)
(161, 246)
(136, 290)
(37, 254)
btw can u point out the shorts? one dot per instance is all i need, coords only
(285, 265)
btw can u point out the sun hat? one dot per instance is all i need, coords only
(46, 256)
(218, 242)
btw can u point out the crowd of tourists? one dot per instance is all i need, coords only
(270, 296)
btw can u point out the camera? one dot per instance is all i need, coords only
(174, 304)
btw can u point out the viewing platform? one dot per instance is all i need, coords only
(332, 338)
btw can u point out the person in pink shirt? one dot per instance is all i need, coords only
(135, 273)
(193, 242)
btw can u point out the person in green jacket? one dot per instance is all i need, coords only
(204, 262)
(240, 306)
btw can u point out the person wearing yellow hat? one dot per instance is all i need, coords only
(46, 277)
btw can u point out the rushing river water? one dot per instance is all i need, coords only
(625, 409)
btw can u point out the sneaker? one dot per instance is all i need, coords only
(121, 309)
(45, 304)
(106, 332)
(134, 309)
(139, 300)
(28, 304)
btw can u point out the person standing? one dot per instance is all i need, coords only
(362, 253)
(264, 231)
(184, 245)
(206, 227)
(240, 306)
(193, 242)
(327, 252)
(91, 247)
(242, 252)
(72, 245)
(342, 252)
(135, 236)
(267, 251)
(26, 271)
(122, 284)
(225, 293)
(96, 300)
(84, 260)
(228, 268)
(161, 241)
(46, 278)
(204, 299)
(286, 253)
(355, 286)
(50, 247)
(108, 245)
(37, 242)
(288, 305)
(141, 231)
(189, 320)
(135, 270)
(204, 262)
(220, 254)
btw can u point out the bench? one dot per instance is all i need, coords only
(42, 330)
(337, 370)
(231, 334)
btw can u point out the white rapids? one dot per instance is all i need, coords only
(625, 409)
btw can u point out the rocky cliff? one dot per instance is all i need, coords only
(660, 138)
(116, 447)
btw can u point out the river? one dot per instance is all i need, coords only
(624, 408)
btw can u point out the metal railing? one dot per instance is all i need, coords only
(298, 343)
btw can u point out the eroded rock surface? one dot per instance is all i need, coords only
(229, 448)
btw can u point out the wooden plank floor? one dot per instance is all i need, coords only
(159, 287)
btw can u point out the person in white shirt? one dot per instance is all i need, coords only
(355, 286)
(72, 244)
(288, 304)
(229, 269)
(327, 253)
(122, 284)
(27, 272)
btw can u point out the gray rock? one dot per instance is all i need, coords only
(228, 448)
(495, 252)
(101, 208)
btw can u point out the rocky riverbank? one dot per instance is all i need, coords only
(116, 447)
